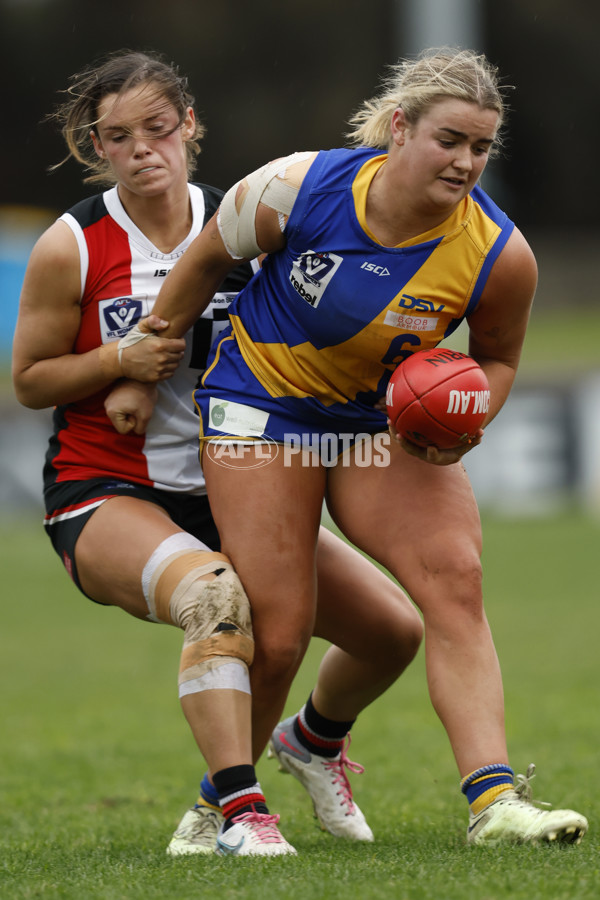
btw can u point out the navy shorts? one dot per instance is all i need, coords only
(70, 504)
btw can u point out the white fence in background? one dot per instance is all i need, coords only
(541, 454)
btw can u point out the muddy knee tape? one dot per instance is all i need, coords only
(214, 615)
(218, 646)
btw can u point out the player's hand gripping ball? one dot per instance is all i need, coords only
(438, 397)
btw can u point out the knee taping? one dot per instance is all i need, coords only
(214, 615)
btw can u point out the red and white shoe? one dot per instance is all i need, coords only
(325, 780)
(253, 834)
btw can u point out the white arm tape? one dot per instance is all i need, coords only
(133, 336)
(265, 185)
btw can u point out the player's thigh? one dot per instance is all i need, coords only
(411, 516)
(268, 519)
(115, 545)
(359, 607)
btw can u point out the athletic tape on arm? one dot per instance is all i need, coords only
(237, 227)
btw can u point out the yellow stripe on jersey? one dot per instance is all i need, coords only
(448, 230)
(337, 373)
(332, 374)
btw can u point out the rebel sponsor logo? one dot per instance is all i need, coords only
(308, 295)
(311, 272)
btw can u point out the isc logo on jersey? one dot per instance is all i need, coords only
(311, 273)
(120, 314)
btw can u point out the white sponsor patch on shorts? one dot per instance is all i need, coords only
(237, 418)
(413, 323)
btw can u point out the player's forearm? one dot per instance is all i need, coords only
(65, 379)
(500, 378)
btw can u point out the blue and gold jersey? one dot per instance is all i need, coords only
(317, 333)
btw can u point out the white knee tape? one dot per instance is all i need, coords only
(215, 675)
(171, 545)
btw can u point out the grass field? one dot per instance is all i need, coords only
(97, 766)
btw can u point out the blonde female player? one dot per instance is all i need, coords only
(128, 514)
(374, 252)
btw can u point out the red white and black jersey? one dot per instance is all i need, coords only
(121, 275)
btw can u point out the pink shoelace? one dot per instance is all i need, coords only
(336, 767)
(264, 827)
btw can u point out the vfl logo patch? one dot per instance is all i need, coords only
(311, 273)
(119, 315)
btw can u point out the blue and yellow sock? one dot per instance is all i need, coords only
(208, 795)
(484, 785)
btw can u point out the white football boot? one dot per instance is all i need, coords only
(253, 834)
(325, 780)
(513, 817)
(197, 832)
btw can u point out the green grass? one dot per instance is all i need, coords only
(97, 766)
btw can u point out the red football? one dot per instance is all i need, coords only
(438, 397)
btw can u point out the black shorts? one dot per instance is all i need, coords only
(70, 504)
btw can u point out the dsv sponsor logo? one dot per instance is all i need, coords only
(460, 401)
(417, 303)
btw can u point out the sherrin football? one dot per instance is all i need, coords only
(438, 397)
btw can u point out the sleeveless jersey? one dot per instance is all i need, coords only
(316, 335)
(121, 275)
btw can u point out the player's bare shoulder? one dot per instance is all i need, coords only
(515, 268)
(57, 245)
(53, 274)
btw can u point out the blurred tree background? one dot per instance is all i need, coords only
(271, 77)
